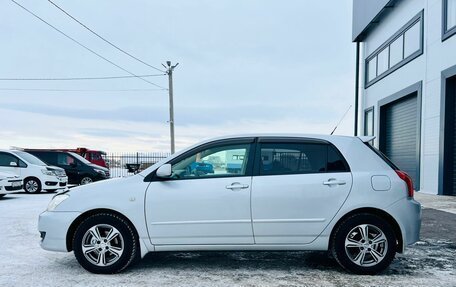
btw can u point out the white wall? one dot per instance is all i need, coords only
(427, 68)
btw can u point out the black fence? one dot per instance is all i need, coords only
(125, 164)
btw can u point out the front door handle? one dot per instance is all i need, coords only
(333, 181)
(237, 185)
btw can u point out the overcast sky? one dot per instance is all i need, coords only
(245, 66)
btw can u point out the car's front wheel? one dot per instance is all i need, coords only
(86, 180)
(32, 185)
(364, 244)
(105, 243)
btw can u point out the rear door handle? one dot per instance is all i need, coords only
(237, 185)
(333, 181)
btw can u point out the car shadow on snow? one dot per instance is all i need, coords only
(423, 258)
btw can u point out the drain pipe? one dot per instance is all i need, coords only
(356, 89)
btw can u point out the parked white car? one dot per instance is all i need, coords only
(289, 192)
(9, 183)
(36, 174)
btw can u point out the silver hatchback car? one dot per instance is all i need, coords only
(246, 192)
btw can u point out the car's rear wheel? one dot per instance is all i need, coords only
(32, 185)
(105, 243)
(364, 244)
(86, 180)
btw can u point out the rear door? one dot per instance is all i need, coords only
(297, 188)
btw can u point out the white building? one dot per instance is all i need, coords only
(407, 85)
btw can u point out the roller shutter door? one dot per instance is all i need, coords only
(400, 135)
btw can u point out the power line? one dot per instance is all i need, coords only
(80, 78)
(78, 90)
(104, 39)
(85, 47)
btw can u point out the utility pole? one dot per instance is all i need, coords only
(169, 70)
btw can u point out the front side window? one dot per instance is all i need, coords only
(217, 161)
(449, 18)
(65, 159)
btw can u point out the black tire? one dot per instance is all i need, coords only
(340, 253)
(130, 243)
(2, 195)
(31, 181)
(86, 180)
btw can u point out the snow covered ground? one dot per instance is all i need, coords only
(431, 262)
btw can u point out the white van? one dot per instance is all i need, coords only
(37, 175)
(9, 183)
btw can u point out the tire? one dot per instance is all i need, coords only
(32, 185)
(124, 244)
(86, 180)
(362, 257)
(2, 195)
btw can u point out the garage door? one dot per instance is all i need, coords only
(399, 138)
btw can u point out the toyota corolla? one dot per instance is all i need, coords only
(290, 192)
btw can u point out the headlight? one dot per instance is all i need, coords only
(48, 172)
(100, 172)
(56, 201)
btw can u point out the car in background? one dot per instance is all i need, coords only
(79, 170)
(9, 183)
(37, 175)
(290, 192)
(94, 156)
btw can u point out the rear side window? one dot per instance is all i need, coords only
(299, 158)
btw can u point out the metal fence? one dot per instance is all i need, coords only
(123, 164)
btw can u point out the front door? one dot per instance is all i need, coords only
(297, 189)
(207, 198)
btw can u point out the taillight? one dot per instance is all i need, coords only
(408, 181)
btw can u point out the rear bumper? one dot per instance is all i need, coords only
(7, 186)
(53, 227)
(407, 213)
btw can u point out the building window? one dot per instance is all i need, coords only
(448, 19)
(369, 122)
(404, 46)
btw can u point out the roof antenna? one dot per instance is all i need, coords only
(341, 120)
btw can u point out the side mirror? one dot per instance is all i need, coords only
(13, 163)
(164, 171)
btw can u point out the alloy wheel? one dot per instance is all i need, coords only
(86, 180)
(102, 245)
(31, 186)
(366, 245)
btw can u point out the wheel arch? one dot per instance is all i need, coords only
(74, 225)
(375, 211)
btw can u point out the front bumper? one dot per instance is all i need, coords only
(407, 213)
(54, 182)
(53, 227)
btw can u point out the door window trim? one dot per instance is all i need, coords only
(151, 177)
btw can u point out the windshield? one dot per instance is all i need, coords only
(80, 158)
(29, 158)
